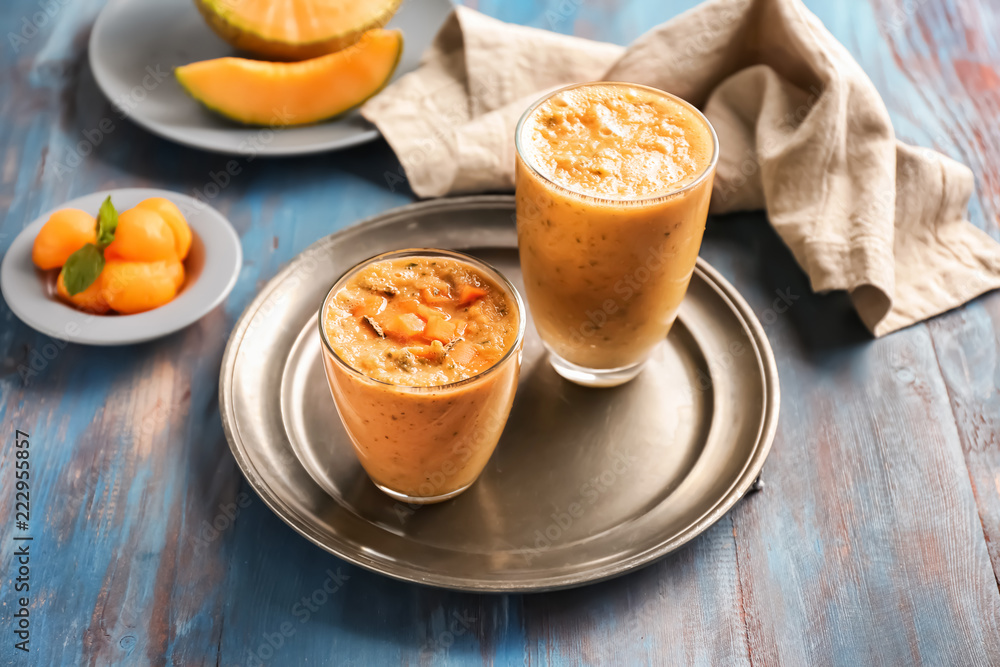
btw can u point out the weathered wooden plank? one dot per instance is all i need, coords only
(866, 547)
(877, 496)
(958, 74)
(967, 348)
(604, 20)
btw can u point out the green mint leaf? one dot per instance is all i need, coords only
(82, 268)
(107, 222)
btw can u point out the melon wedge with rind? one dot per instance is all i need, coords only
(294, 29)
(276, 94)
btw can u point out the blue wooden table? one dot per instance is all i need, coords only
(876, 540)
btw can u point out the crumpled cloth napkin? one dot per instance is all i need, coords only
(803, 133)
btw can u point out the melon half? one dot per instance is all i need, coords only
(255, 92)
(294, 29)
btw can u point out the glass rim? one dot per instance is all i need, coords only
(649, 199)
(486, 267)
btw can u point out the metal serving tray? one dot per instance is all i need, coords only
(585, 484)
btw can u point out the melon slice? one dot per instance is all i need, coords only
(255, 92)
(295, 29)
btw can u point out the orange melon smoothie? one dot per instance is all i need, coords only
(422, 350)
(613, 182)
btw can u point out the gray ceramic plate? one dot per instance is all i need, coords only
(585, 484)
(136, 44)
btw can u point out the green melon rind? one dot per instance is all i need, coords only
(244, 39)
(242, 121)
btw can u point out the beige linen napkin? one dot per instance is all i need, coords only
(804, 135)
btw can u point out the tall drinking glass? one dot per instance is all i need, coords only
(613, 185)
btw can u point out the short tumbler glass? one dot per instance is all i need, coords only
(425, 444)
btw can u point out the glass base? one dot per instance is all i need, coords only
(594, 377)
(420, 500)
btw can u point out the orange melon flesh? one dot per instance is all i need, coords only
(255, 92)
(295, 29)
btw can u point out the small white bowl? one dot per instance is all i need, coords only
(212, 267)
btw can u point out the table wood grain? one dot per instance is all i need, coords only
(875, 542)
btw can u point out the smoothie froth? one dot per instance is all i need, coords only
(616, 142)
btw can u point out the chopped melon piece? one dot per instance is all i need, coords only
(295, 29)
(255, 92)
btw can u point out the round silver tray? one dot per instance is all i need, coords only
(585, 484)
